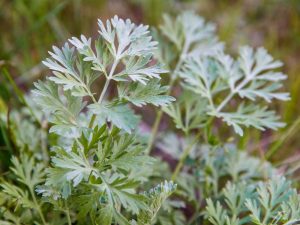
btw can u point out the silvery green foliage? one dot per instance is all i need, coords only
(157, 196)
(120, 42)
(140, 95)
(18, 198)
(18, 201)
(188, 112)
(99, 173)
(215, 163)
(251, 77)
(64, 110)
(122, 53)
(228, 186)
(216, 85)
(243, 82)
(184, 37)
(212, 75)
(271, 202)
(95, 175)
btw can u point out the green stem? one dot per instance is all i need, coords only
(112, 70)
(225, 101)
(44, 139)
(5, 136)
(92, 121)
(93, 222)
(292, 129)
(19, 94)
(232, 93)
(154, 131)
(68, 217)
(99, 101)
(104, 90)
(38, 208)
(266, 217)
(183, 157)
(171, 84)
(193, 218)
(157, 120)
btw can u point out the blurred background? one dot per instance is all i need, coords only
(28, 29)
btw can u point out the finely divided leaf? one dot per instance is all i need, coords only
(140, 95)
(156, 197)
(250, 116)
(120, 115)
(64, 109)
(71, 71)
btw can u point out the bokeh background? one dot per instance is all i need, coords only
(28, 29)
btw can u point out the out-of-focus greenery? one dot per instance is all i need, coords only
(29, 27)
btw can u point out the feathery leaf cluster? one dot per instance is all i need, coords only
(94, 166)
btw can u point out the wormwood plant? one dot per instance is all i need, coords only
(94, 167)
(97, 163)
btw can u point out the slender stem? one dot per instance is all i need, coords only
(44, 139)
(187, 151)
(91, 95)
(157, 121)
(292, 129)
(171, 84)
(232, 93)
(183, 157)
(68, 216)
(38, 208)
(20, 94)
(92, 121)
(154, 131)
(193, 218)
(266, 216)
(225, 101)
(92, 220)
(81, 152)
(99, 101)
(210, 100)
(112, 70)
(104, 90)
